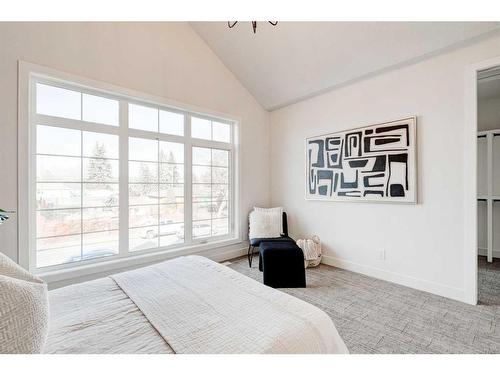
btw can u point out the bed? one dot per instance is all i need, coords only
(187, 305)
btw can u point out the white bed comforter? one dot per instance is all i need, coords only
(190, 305)
(97, 317)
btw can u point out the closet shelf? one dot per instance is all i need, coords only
(485, 198)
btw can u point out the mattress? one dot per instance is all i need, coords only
(185, 305)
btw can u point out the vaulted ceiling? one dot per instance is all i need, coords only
(296, 60)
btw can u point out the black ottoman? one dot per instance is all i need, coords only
(282, 264)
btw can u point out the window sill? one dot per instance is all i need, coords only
(133, 261)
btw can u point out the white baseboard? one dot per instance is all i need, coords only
(484, 251)
(409, 281)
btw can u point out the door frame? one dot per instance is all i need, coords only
(470, 184)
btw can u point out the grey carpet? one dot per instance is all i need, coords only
(375, 316)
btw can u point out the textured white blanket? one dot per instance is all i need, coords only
(199, 306)
(96, 317)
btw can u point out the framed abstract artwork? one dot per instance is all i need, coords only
(375, 163)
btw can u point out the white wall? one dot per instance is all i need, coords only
(424, 243)
(163, 59)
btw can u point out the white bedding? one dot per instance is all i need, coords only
(185, 305)
(97, 317)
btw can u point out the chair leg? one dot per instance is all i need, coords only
(249, 255)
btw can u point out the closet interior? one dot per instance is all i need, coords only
(488, 188)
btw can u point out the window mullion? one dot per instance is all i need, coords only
(158, 189)
(123, 180)
(81, 179)
(231, 192)
(211, 144)
(188, 187)
(232, 184)
(59, 122)
(211, 192)
(154, 135)
(32, 181)
(81, 195)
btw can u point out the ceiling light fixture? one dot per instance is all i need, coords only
(231, 24)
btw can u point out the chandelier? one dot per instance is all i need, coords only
(231, 24)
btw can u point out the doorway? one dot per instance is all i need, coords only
(488, 185)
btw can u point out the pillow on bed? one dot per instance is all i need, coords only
(266, 222)
(24, 309)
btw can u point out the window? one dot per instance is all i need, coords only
(211, 130)
(156, 193)
(114, 176)
(210, 192)
(76, 195)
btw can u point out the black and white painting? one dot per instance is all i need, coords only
(372, 163)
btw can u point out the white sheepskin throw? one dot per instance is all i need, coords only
(24, 309)
(266, 222)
